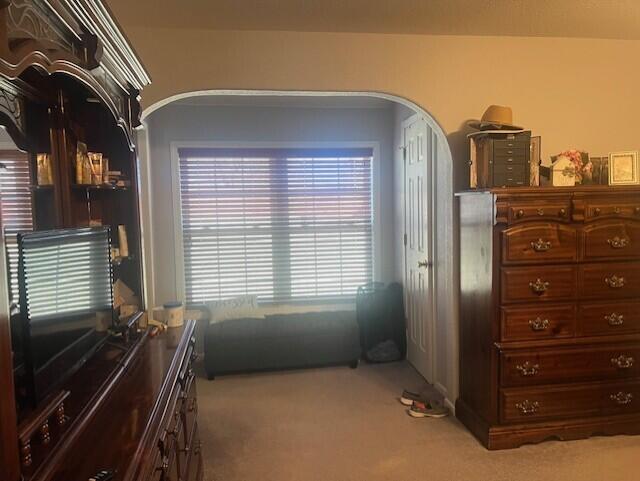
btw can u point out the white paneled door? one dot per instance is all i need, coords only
(419, 146)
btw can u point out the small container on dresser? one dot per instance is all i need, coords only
(499, 159)
(550, 313)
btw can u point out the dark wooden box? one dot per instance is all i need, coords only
(500, 159)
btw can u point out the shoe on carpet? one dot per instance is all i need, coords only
(408, 398)
(424, 410)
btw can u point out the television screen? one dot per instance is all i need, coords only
(66, 301)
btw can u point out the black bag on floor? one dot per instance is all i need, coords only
(380, 314)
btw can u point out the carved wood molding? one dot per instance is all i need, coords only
(79, 38)
(29, 19)
(12, 105)
(12, 113)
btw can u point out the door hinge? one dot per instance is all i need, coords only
(405, 239)
(404, 153)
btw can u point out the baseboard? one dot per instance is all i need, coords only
(445, 394)
(450, 405)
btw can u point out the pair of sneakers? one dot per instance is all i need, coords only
(421, 407)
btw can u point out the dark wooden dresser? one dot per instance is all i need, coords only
(549, 313)
(131, 411)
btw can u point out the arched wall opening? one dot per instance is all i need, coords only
(442, 224)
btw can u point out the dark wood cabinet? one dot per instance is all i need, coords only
(550, 313)
(68, 75)
(142, 423)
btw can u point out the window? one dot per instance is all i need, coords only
(284, 224)
(15, 208)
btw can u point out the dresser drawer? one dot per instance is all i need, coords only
(520, 405)
(190, 407)
(563, 365)
(512, 169)
(612, 318)
(194, 469)
(609, 281)
(511, 145)
(611, 240)
(535, 243)
(505, 159)
(537, 211)
(616, 209)
(538, 322)
(532, 284)
(510, 180)
(171, 422)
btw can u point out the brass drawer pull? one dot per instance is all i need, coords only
(597, 211)
(562, 212)
(527, 369)
(539, 286)
(527, 407)
(539, 324)
(622, 398)
(540, 212)
(520, 214)
(541, 245)
(616, 210)
(614, 319)
(614, 282)
(623, 362)
(618, 242)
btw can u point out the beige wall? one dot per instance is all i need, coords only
(574, 92)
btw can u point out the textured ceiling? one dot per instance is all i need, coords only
(618, 19)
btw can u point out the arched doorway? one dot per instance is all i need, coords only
(443, 342)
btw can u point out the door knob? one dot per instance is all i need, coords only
(424, 264)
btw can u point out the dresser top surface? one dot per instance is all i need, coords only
(580, 189)
(112, 438)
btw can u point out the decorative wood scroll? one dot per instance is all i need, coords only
(12, 105)
(28, 19)
(78, 38)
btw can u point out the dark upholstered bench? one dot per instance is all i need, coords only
(283, 341)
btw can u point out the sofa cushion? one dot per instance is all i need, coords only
(281, 342)
(238, 307)
(313, 323)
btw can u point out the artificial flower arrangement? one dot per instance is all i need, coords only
(580, 167)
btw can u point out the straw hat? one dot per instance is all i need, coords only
(495, 117)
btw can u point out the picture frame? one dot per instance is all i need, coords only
(535, 159)
(600, 170)
(624, 168)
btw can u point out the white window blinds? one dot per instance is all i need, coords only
(284, 224)
(15, 207)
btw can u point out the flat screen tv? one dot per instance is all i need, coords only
(66, 302)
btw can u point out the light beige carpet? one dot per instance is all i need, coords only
(339, 424)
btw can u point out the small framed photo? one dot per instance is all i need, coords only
(535, 161)
(624, 168)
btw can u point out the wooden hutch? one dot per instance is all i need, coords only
(68, 75)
